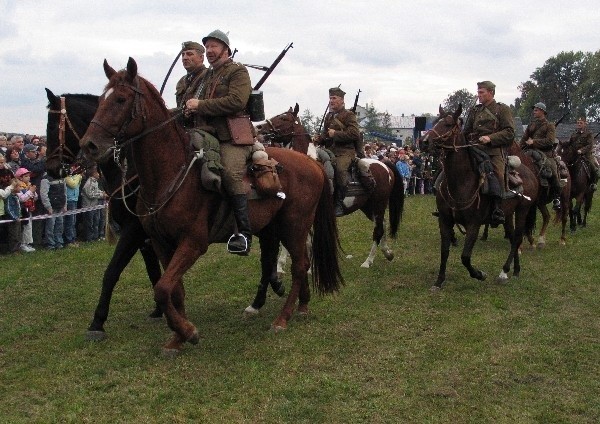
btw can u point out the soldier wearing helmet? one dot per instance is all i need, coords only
(539, 137)
(224, 92)
(491, 127)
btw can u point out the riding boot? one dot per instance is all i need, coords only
(339, 201)
(557, 189)
(497, 212)
(240, 242)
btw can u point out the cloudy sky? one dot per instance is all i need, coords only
(405, 56)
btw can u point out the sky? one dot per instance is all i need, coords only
(406, 57)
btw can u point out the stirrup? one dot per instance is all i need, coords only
(235, 248)
(556, 204)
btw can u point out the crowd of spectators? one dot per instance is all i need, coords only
(33, 203)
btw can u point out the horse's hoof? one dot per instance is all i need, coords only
(482, 276)
(349, 256)
(95, 336)
(277, 328)
(155, 315)
(250, 312)
(541, 245)
(170, 353)
(562, 243)
(365, 264)
(502, 279)
(389, 255)
(194, 338)
(435, 289)
(302, 311)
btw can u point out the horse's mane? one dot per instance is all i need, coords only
(88, 99)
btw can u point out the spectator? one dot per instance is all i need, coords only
(8, 193)
(404, 168)
(90, 195)
(17, 143)
(53, 192)
(27, 197)
(3, 144)
(73, 182)
(13, 159)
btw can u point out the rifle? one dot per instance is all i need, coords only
(234, 52)
(561, 118)
(324, 115)
(169, 73)
(596, 136)
(355, 102)
(270, 68)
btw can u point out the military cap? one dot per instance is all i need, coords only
(337, 91)
(217, 34)
(488, 85)
(540, 106)
(192, 45)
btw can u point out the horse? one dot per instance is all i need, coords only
(69, 117)
(182, 217)
(581, 191)
(287, 130)
(545, 197)
(459, 200)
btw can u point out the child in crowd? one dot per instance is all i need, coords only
(73, 182)
(27, 197)
(90, 196)
(9, 188)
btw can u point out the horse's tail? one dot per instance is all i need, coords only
(327, 276)
(396, 201)
(530, 220)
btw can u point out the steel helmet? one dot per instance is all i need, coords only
(217, 34)
(541, 106)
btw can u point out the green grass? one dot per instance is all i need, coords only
(385, 349)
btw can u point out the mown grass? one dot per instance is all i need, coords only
(384, 349)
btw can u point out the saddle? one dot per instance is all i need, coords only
(512, 183)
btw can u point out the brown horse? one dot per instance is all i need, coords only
(459, 200)
(287, 130)
(544, 198)
(182, 217)
(581, 192)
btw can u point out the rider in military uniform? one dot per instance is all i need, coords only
(192, 58)
(583, 141)
(340, 134)
(491, 127)
(224, 93)
(539, 136)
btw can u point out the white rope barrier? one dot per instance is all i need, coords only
(54, 215)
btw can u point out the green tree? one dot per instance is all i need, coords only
(310, 122)
(462, 96)
(568, 81)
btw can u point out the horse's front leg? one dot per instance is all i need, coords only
(269, 247)
(472, 232)
(446, 229)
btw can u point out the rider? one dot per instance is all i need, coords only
(192, 59)
(224, 93)
(340, 134)
(583, 141)
(539, 137)
(491, 126)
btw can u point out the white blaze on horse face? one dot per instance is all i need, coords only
(108, 93)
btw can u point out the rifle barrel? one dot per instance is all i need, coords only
(273, 65)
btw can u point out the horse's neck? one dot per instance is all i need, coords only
(459, 170)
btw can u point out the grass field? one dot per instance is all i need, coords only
(383, 350)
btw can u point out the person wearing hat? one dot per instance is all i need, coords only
(491, 127)
(340, 134)
(582, 141)
(224, 93)
(539, 137)
(192, 59)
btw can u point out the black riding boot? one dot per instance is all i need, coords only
(339, 200)
(557, 190)
(240, 243)
(497, 212)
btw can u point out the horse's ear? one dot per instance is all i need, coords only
(131, 69)
(108, 70)
(441, 111)
(296, 109)
(290, 110)
(458, 112)
(52, 99)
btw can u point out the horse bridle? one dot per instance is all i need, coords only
(63, 122)
(275, 134)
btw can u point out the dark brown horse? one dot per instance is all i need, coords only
(459, 200)
(287, 130)
(544, 198)
(69, 117)
(581, 192)
(183, 218)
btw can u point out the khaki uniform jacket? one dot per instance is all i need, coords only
(583, 141)
(543, 134)
(226, 92)
(494, 120)
(186, 89)
(347, 134)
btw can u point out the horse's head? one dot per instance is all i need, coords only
(122, 112)
(446, 129)
(68, 119)
(285, 129)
